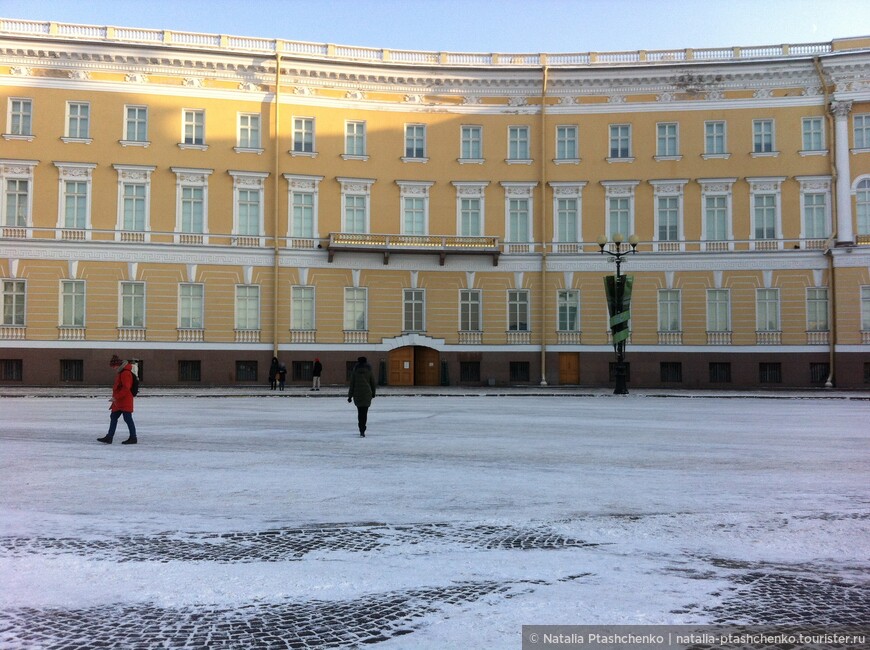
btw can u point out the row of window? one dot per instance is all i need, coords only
(78, 127)
(134, 191)
(192, 307)
(190, 371)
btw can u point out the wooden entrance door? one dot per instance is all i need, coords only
(427, 367)
(401, 363)
(569, 368)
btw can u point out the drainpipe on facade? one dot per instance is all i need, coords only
(544, 224)
(275, 241)
(832, 301)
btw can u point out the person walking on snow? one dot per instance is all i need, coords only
(122, 400)
(273, 374)
(315, 374)
(361, 392)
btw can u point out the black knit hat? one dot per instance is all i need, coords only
(362, 359)
(116, 360)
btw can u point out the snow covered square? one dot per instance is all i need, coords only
(244, 519)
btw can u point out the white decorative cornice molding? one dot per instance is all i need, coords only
(814, 183)
(470, 189)
(17, 168)
(671, 187)
(192, 82)
(134, 173)
(302, 183)
(765, 183)
(519, 189)
(619, 188)
(136, 78)
(303, 91)
(79, 75)
(248, 86)
(248, 179)
(355, 185)
(413, 99)
(356, 95)
(567, 189)
(414, 188)
(21, 71)
(517, 101)
(191, 176)
(74, 170)
(716, 185)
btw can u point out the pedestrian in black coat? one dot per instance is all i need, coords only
(361, 391)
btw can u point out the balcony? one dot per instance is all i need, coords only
(131, 334)
(13, 332)
(356, 336)
(70, 333)
(818, 337)
(768, 338)
(470, 337)
(670, 338)
(518, 337)
(719, 338)
(247, 336)
(303, 336)
(191, 335)
(439, 245)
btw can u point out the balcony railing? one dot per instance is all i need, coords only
(356, 336)
(13, 332)
(768, 338)
(670, 338)
(131, 334)
(191, 335)
(439, 245)
(518, 338)
(718, 338)
(303, 336)
(469, 337)
(69, 333)
(568, 338)
(818, 338)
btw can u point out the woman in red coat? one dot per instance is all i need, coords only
(122, 400)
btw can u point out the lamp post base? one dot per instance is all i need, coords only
(621, 385)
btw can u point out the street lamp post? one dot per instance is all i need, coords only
(618, 300)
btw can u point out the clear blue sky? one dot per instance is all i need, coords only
(480, 25)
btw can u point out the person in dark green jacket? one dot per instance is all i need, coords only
(361, 391)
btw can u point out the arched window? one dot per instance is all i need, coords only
(862, 206)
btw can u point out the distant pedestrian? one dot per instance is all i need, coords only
(282, 375)
(122, 399)
(315, 374)
(273, 374)
(361, 391)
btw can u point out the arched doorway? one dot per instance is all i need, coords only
(414, 365)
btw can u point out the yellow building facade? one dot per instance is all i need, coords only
(205, 203)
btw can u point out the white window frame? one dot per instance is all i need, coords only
(302, 308)
(470, 310)
(765, 187)
(74, 173)
(133, 124)
(769, 299)
(190, 179)
(19, 119)
(355, 140)
(77, 122)
(193, 120)
(620, 143)
(415, 143)
(414, 310)
(817, 309)
(14, 302)
(248, 182)
(301, 187)
(252, 295)
(567, 144)
(813, 141)
(414, 199)
(619, 196)
(566, 300)
(468, 194)
(515, 195)
(133, 176)
(715, 309)
(191, 307)
(519, 145)
(17, 171)
(565, 194)
(815, 186)
(861, 131)
(249, 133)
(470, 143)
(865, 308)
(764, 138)
(672, 191)
(360, 190)
(670, 310)
(519, 304)
(712, 134)
(356, 306)
(71, 310)
(132, 306)
(720, 189)
(304, 141)
(668, 141)
(861, 190)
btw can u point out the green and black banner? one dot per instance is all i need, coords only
(618, 290)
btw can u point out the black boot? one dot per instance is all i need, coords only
(129, 441)
(105, 439)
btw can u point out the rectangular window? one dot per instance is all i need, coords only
(355, 138)
(133, 304)
(469, 372)
(817, 309)
(249, 212)
(246, 371)
(568, 310)
(666, 140)
(567, 219)
(191, 306)
(302, 308)
(518, 310)
(355, 208)
(355, 308)
(813, 133)
(78, 123)
(714, 138)
(770, 373)
(668, 210)
(414, 215)
(816, 216)
(415, 141)
(566, 143)
(193, 210)
(716, 217)
(471, 143)
(865, 309)
(620, 141)
(762, 136)
(469, 310)
(518, 143)
(194, 127)
(133, 216)
(620, 216)
(72, 370)
(518, 220)
(520, 371)
(302, 370)
(861, 125)
(75, 202)
(470, 217)
(247, 307)
(303, 135)
(13, 302)
(72, 303)
(819, 372)
(136, 124)
(718, 310)
(671, 372)
(11, 369)
(17, 204)
(189, 371)
(720, 372)
(764, 208)
(767, 310)
(20, 116)
(669, 310)
(249, 131)
(303, 215)
(414, 310)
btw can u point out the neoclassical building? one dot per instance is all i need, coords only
(206, 202)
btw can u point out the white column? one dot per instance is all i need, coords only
(845, 232)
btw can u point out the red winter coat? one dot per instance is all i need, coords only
(122, 398)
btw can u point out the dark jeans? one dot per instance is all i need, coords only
(362, 416)
(113, 422)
